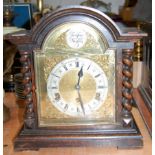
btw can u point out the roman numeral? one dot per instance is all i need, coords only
(66, 107)
(78, 110)
(56, 75)
(101, 87)
(97, 97)
(57, 96)
(97, 75)
(65, 68)
(88, 67)
(52, 87)
(77, 64)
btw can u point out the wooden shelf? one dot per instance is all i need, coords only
(144, 110)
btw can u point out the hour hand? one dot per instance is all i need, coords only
(80, 74)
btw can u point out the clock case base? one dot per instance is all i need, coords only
(114, 136)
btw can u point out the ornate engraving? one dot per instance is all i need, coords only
(87, 39)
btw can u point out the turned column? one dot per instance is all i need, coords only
(127, 87)
(26, 83)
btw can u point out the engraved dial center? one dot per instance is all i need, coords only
(69, 92)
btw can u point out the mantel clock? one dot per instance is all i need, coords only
(76, 81)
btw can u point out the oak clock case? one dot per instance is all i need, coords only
(77, 82)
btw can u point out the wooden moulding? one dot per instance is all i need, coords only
(114, 136)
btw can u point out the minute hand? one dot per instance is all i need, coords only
(81, 102)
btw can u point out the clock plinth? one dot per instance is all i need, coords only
(111, 136)
(99, 113)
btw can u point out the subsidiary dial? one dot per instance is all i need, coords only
(76, 38)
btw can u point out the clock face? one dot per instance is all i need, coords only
(77, 86)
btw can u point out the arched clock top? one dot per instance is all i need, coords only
(85, 15)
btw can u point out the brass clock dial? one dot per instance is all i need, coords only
(77, 86)
(75, 77)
